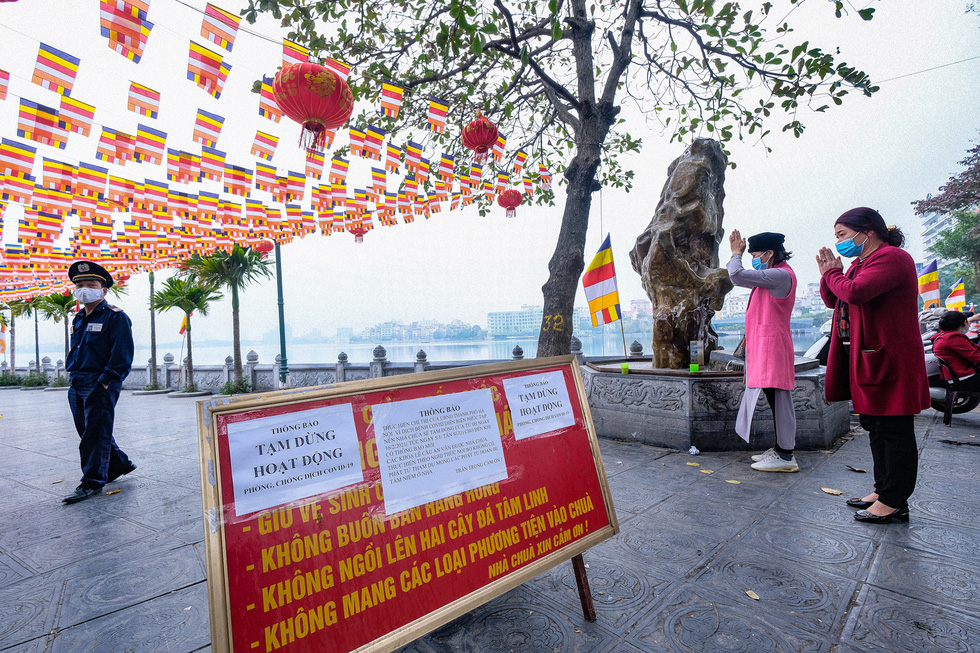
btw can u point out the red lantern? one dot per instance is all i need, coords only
(510, 200)
(264, 246)
(314, 96)
(480, 136)
(358, 230)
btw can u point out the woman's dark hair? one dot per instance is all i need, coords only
(780, 255)
(864, 219)
(952, 321)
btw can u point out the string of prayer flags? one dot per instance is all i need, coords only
(338, 67)
(393, 158)
(77, 115)
(41, 124)
(207, 128)
(314, 164)
(391, 98)
(293, 52)
(207, 69)
(238, 181)
(126, 27)
(4, 83)
(57, 175)
(151, 145)
(143, 100)
(338, 170)
(120, 191)
(53, 202)
(220, 27)
(438, 109)
(373, 141)
(55, 70)
(499, 147)
(264, 145)
(91, 181)
(212, 163)
(519, 160)
(545, 176)
(265, 177)
(267, 101)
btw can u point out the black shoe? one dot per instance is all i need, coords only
(81, 493)
(132, 468)
(858, 502)
(900, 514)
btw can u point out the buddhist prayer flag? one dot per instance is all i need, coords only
(265, 177)
(238, 181)
(528, 185)
(447, 163)
(438, 109)
(499, 147)
(4, 83)
(373, 141)
(393, 158)
(150, 145)
(143, 100)
(125, 25)
(338, 170)
(356, 141)
(55, 70)
(267, 101)
(264, 145)
(183, 322)
(207, 69)
(91, 180)
(183, 167)
(207, 128)
(294, 52)
(929, 285)
(519, 160)
(600, 286)
(295, 186)
(338, 67)
(212, 163)
(113, 146)
(41, 124)
(220, 27)
(956, 301)
(3, 329)
(391, 99)
(413, 156)
(545, 176)
(314, 164)
(58, 175)
(76, 115)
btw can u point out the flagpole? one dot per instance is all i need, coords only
(622, 331)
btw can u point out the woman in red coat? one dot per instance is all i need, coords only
(876, 357)
(953, 346)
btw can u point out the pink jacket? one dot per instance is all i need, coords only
(769, 357)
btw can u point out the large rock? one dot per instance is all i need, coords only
(677, 255)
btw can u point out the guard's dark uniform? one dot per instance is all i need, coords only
(101, 354)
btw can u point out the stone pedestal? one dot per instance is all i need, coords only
(678, 409)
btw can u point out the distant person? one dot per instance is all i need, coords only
(769, 356)
(876, 358)
(100, 357)
(953, 346)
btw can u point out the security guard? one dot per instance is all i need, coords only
(100, 357)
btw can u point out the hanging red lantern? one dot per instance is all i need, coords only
(314, 96)
(358, 230)
(264, 246)
(510, 199)
(480, 136)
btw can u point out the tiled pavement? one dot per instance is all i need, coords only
(125, 572)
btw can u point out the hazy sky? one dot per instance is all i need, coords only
(882, 152)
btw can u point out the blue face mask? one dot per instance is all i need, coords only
(758, 264)
(850, 249)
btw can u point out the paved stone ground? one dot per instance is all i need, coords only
(125, 572)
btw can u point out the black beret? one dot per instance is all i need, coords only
(765, 241)
(81, 270)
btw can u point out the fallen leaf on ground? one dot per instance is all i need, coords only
(752, 595)
(733, 482)
(707, 471)
(829, 490)
(116, 491)
(856, 469)
(694, 464)
(58, 481)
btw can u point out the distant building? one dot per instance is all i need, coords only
(735, 305)
(934, 224)
(640, 308)
(513, 324)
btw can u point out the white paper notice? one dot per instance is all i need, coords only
(434, 447)
(289, 457)
(538, 404)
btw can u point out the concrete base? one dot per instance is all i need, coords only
(188, 395)
(682, 409)
(165, 391)
(63, 388)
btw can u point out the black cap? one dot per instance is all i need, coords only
(81, 270)
(765, 241)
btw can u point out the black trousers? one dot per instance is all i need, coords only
(93, 409)
(896, 457)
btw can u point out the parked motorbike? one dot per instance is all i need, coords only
(929, 325)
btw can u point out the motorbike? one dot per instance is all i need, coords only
(929, 326)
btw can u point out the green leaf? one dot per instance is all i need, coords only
(476, 47)
(553, 6)
(525, 56)
(555, 30)
(866, 14)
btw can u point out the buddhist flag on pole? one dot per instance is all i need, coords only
(3, 339)
(55, 70)
(183, 324)
(929, 285)
(600, 286)
(956, 301)
(220, 27)
(143, 100)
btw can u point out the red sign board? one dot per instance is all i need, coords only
(336, 568)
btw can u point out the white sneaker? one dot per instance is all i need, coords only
(771, 462)
(756, 458)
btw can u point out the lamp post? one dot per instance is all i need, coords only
(153, 339)
(264, 247)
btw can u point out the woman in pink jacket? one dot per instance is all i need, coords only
(876, 357)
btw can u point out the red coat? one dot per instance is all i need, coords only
(958, 351)
(885, 373)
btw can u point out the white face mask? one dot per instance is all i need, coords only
(88, 295)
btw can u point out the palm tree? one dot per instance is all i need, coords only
(18, 308)
(188, 295)
(59, 307)
(153, 340)
(236, 269)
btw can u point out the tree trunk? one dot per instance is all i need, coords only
(190, 356)
(67, 339)
(236, 333)
(37, 343)
(13, 344)
(153, 339)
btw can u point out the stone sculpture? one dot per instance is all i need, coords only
(677, 255)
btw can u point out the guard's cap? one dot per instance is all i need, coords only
(765, 241)
(81, 270)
